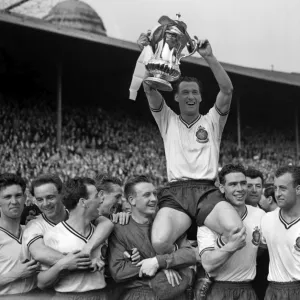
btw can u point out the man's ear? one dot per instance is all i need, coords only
(221, 188)
(176, 97)
(131, 200)
(82, 202)
(270, 199)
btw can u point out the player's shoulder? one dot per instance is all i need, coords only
(257, 211)
(54, 231)
(271, 215)
(37, 222)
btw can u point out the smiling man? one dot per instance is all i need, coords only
(232, 265)
(70, 236)
(192, 146)
(144, 280)
(48, 192)
(281, 233)
(255, 180)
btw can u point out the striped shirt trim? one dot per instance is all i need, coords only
(48, 221)
(206, 249)
(221, 113)
(245, 214)
(18, 239)
(34, 239)
(220, 243)
(285, 223)
(73, 231)
(160, 107)
(53, 224)
(191, 124)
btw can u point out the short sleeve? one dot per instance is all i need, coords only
(162, 117)
(218, 120)
(33, 231)
(206, 239)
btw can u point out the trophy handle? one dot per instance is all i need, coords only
(195, 44)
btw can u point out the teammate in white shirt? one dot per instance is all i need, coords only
(16, 276)
(83, 202)
(233, 266)
(281, 233)
(192, 144)
(48, 192)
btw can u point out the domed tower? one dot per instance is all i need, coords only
(76, 14)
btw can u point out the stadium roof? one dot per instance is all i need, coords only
(13, 19)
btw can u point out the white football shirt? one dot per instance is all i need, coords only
(65, 239)
(283, 241)
(10, 250)
(241, 266)
(192, 150)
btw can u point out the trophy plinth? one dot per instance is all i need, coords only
(159, 84)
(167, 42)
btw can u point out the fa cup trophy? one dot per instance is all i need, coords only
(166, 44)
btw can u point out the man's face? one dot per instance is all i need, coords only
(110, 199)
(189, 98)
(145, 200)
(235, 188)
(12, 200)
(48, 199)
(285, 192)
(254, 186)
(93, 202)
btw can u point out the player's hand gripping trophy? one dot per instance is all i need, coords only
(165, 44)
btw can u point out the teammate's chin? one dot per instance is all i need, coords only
(151, 209)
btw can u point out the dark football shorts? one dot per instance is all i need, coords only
(231, 290)
(283, 290)
(196, 198)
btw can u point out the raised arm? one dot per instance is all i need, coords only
(155, 99)
(224, 96)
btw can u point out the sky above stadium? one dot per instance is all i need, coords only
(258, 33)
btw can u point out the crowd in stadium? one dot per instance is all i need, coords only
(114, 142)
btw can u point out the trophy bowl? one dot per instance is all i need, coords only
(166, 44)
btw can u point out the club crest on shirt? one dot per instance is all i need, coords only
(256, 236)
(201, 135)
(297, 244)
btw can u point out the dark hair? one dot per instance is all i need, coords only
(254, 173)
(187, 79)
(293, 170)
(105, 181)
(132, 182)
(45, 179)
(230, 168)
(270, 192)
(8, 179)
(75, 189)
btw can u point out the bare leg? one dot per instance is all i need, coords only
(169, 224)
(223, 219)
